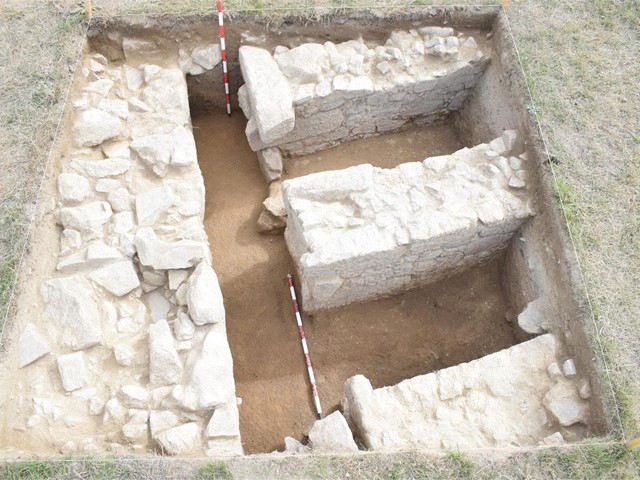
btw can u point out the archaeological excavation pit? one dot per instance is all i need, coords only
(386, 161)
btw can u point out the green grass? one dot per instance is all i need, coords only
(214, 471)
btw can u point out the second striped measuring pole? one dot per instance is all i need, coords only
(305, 348)
(223, 51)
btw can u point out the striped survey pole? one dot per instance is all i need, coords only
(305, 349)
(223, 50)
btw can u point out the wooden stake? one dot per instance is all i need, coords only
(88, 8)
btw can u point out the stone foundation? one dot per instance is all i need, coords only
(515, 397)
(131, 352)
(316, 96)
(364, 232)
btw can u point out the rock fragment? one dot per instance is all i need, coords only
(118, 278)
(179, 440)
(72, 371)
(204, 297)
(92, 127)
(31, 346)
(565, 405)
(332, 435)
(165, 366)
(162, 255)
(270, 160)
(72, 188)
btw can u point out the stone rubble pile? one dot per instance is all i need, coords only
(517, 396)
(364, 232)
(131, 352)
(315, 96)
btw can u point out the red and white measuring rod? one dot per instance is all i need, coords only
(305, 349)
(223, 50)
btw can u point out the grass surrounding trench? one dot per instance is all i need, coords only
(580, 60)
(594, 461)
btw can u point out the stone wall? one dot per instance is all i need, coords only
(130, 352)
(364, 232)
(315, 96)
(516, 397)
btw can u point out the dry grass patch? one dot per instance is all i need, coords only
(40, 43)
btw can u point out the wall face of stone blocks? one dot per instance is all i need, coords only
(349, 90)
(516, 396)
(364, 232)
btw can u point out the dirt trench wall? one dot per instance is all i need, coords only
(540, 262)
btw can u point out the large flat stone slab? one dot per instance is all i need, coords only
(271, 100)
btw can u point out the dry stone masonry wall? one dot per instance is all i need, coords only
(364, 232)
(515, 397)
(315, 96)
(131, 352)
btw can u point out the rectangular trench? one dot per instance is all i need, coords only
(464, 317)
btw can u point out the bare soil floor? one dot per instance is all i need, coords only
(386, 340)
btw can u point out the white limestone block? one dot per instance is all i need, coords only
(161, 420)
(177, 277)
(123, 354)
(134, 396)
(120, 200)
(31, 346)
(332, 435)
(119, 108)
(72, 187)
(100, 87)
(165, 366)
(204, 296)
(271, 100)
(106, 185)
(156, 253)
(92, 127)
(133, 76)
(86, 217)
(532, 319)
(166, 92)
(118, 278)
(225, 421)
(569, 368)
(207, 56)
(71, 307)
(72, 371)
(179, 440)
(565, 405)
(245, 101)
(159, 306)
(70, 240)
(183, 327)
(304, 63)
(137, 105)
(151, 204)
(270, 160)
(209, 375)
(100, 168)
